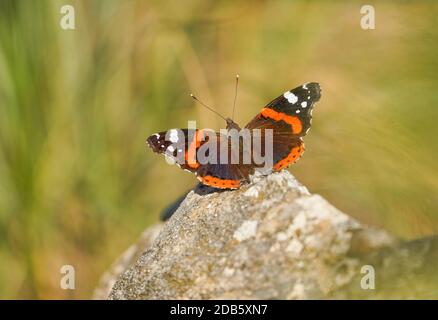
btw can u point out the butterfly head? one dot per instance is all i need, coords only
(231, 124)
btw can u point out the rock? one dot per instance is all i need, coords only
(124, 261)
(271, 239)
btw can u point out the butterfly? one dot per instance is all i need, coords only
(286, 120)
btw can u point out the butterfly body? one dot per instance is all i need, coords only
(227, 159)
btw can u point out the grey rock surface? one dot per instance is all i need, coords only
(131, 255)
(271, 239)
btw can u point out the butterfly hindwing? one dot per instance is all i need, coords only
(228, 174)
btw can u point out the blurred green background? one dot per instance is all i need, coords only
(77, 182)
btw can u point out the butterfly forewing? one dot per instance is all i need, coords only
(196, 146)
(289, 117)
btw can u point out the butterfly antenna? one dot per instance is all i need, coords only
(212, 110)
(235, 95)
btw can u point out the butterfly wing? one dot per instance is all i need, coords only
(173, 144)
(289, 116)
(192, 151)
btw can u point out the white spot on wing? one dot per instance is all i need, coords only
(305, 86)
(304, 104)
(298, 111)
(170, 149)
(173, 135)
(290, 97)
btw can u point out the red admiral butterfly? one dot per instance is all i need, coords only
(287, 118)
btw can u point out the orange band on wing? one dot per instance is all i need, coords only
(277, 116)
(190, 155)
(293, 156)
(220, 183)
